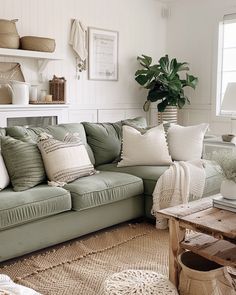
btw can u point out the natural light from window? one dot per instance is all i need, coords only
(226, 86)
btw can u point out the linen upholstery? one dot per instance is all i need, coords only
(103, 188)
(57, 131)
(24, 163)
(105, 138)
(36, 203)
(66, 160)
(149, 174)
(144, 148)
(186, 143)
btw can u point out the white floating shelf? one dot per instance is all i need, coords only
(29, 54)
(42, 57)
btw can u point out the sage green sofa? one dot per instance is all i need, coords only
(43, 215)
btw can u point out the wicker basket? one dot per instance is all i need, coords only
(57, 88)
(37, 44)
(200, 276)
(9, 37)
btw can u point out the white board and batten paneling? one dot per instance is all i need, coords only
(92, 100)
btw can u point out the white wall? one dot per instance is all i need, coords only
(141, 30)
(192, 37)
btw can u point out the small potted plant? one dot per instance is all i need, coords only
(227, 164)
(163, 82)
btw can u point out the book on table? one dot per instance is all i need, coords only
(226, 204)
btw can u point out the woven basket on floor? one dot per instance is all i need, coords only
(200, 276)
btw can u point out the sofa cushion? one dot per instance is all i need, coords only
(57, 131)
(149, 174)
(103, 188)
(146, 147)
(188, 139)
(105, 139)
(35, 203)
(66, 160)
(24, 163)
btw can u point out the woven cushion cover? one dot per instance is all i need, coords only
(38, 202)
(103, 188)
(24, 163)
(57, 131)
(66, 160)
(105, 138)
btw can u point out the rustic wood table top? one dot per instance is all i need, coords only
(214, 234)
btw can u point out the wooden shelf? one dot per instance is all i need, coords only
(219, 251)
(42, 57)
(29, 54)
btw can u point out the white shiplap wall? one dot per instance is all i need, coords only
(141, 30)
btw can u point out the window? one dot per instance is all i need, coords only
(226, 80)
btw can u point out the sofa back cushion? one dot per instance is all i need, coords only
(24, 163)
(105, 139)
(31, 134)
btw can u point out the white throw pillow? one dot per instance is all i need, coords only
(149, 148)
(4, 177)
(186, 143)
(66, 160)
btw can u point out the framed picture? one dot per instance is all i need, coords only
(103, 55)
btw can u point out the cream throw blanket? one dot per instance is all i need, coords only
(176, 185)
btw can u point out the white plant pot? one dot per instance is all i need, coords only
(170, 115)
(228, 189)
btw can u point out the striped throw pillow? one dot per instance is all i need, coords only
(66, 160)
(24, 163)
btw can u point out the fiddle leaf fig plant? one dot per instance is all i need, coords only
(163, 82)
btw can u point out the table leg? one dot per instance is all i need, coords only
(177, 235)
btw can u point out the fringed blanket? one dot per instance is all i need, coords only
(176, 185)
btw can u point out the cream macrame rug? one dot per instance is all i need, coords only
(81, 267)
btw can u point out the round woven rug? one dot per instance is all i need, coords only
(82, 266)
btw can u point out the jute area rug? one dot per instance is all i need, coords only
(80, 267)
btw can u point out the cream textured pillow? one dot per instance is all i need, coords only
(4, 177)
(186, 143)
(66, 160)
(149, 148)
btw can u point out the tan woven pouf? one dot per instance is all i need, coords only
(130, 282)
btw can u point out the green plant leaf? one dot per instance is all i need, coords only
(142, 79)
(162, 105)
(141, 72)
(164, 64)
(146, 105)
(154, 94)
(145, 60)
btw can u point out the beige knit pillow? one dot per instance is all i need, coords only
(66, 160)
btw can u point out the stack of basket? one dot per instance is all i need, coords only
(9, 37)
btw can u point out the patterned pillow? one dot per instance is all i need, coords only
(66, 160)
(24, 163)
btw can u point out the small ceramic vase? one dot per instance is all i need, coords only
(228, 189)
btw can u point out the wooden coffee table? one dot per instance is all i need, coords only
(215, 237)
